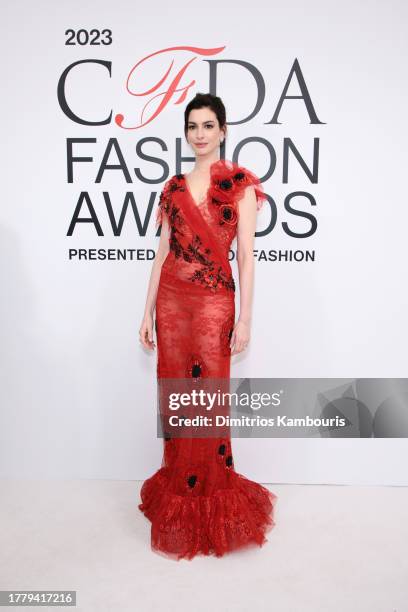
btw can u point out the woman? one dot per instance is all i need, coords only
(197, 502)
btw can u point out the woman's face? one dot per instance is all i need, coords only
(203, 129)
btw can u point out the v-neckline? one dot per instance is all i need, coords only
(204, 198)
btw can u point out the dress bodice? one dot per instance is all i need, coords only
(201, 233)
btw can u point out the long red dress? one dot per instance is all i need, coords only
(197, 503)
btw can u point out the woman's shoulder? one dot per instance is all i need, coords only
(242, 178)
(234, 170)
(173, 182)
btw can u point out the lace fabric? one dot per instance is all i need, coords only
(197, 503)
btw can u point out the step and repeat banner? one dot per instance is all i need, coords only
(93, 116)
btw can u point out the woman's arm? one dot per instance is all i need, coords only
(146, 328)
(245, 258)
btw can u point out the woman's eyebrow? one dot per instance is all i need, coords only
(208, 121)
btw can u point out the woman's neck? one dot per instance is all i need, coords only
(203, 165)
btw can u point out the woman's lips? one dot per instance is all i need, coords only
(201, 144)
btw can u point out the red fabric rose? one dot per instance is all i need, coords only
(228, 214)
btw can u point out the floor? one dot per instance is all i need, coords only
(333, 549)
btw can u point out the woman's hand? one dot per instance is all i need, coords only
(146, 332)
(240, 337)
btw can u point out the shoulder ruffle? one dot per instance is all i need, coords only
(229, 181)
(164, 204)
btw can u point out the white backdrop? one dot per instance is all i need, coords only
(78, 392)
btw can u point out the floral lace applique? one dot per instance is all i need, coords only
(165, 200)
(223, 451)
(210, 275)
(228, 182)
(196, 368)
(226, 335)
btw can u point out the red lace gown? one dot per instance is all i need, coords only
(197, 503)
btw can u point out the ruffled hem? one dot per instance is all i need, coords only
(184, 526)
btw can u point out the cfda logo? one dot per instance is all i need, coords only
(174, 81)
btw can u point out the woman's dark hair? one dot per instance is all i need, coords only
(202, 100)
